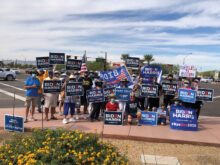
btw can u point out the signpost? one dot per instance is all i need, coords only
(51, 86)
(132, 62)
(149, 90)
(57, 58)
(113, 118)
(72, 64)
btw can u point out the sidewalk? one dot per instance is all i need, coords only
(208, 133)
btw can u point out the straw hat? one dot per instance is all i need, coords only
(124, 80)
(71, 77)
(186, 81)
(112, 95)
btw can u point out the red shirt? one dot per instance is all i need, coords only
(112, 107)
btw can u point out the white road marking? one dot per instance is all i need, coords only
(12, 87)
(20, 80)
(216, 97)
(12, 95)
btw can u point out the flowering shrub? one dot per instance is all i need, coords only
(59, 146)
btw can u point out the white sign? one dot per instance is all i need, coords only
(187, 71)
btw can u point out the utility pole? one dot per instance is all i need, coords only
(105, 62)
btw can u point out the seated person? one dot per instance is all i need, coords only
(112, 105)
(162, 114)
(131, 109)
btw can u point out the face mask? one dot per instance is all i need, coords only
(133, 78)
(112, 100)
(176, 102)
(72, 80)
(34, 75)
(132, 98)
(76, 76)
(186, 85)
(51, 75)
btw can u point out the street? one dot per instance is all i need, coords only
(9, 88)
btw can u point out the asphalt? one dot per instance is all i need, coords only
(17, 87)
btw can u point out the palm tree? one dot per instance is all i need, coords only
(149, 58)
(124, 56)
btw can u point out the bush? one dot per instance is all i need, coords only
(59, 146)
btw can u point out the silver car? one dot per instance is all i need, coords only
(7, 75)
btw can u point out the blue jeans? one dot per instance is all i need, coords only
(70, 106)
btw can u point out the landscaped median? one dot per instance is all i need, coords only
(59, 146)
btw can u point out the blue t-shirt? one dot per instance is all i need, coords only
(32, 92)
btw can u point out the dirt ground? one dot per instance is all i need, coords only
(186, 154)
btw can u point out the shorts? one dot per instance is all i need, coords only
(66, 108)
(83, 99)
(133, 115)
(33, 100)
(50, 100)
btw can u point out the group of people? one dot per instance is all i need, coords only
(71, 104)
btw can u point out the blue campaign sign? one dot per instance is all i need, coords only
(114, 77)
(95, 95)
(170, 88)
(108, 91)
(182, 118)
(148, 118)
(74, 89)
(57, 58)
(150, 71)
(162, 112)
(205, 94)
(113, 118)
(132, 62)
(149, 90)
(123, 94)
(14, 123)
(187, 95)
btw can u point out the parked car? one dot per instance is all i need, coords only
(15, 70)
(218, 80)
(29, 70)
(7, 75)
(206, 79)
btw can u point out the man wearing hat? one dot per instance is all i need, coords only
(50, 99)
(94, 115)
(87, 85)
(112, 105)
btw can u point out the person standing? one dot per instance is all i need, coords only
(50, 99)
(87, 85)
(32, 84)
(137, 92)
(167, 99)
(154, 102)
(124, 84)
(41, 76)
(96, 106)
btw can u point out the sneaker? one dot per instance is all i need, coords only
(77, 117)
(64, 121)
(33, 119)
(72, 120)
(26, 120)
(84, 116)
(97, 119)
(138, 123)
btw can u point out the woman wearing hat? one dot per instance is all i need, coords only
(112, 105)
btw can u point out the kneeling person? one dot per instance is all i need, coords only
(112, 105)
(131, 109)
(162, 115)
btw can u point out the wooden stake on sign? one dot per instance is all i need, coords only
(42, 111)
(13, 113)
(103, 127)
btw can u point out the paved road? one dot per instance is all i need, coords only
(8, 88)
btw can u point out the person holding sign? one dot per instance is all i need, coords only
(97, 105)
(133, 109)
(50, 99)
(112, 105)
(69, 102)
(167, 97)
(155, 101)
(32, 84)
(198, 104)
(162, 114)
(87, 85)
(122, 104)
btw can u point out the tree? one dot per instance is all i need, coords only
(149, 58)
(124, 56)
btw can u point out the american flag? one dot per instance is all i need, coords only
(119, 78)
(83, 66)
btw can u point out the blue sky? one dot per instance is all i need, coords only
(170, 30)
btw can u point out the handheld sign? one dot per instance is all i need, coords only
(52, 86)
(162, 112)
(148, 118)
(187, 95)
(72, 64)
(182, 118)
(170, 88)
(95, 95)
(57, 58)
(150, 71)
(74, 89)
(149, 90)
(123, 94)
(187, 71)
(205, 94)
(14, 123)
(108, 91)
(113, 118)
(132, 62)
(43, 62)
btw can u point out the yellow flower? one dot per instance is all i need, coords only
(67, 154)
(76, 139)
(80, 136)
(127, 145)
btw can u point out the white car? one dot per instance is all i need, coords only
(15, 70)
(7, 75)
(206, 79)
